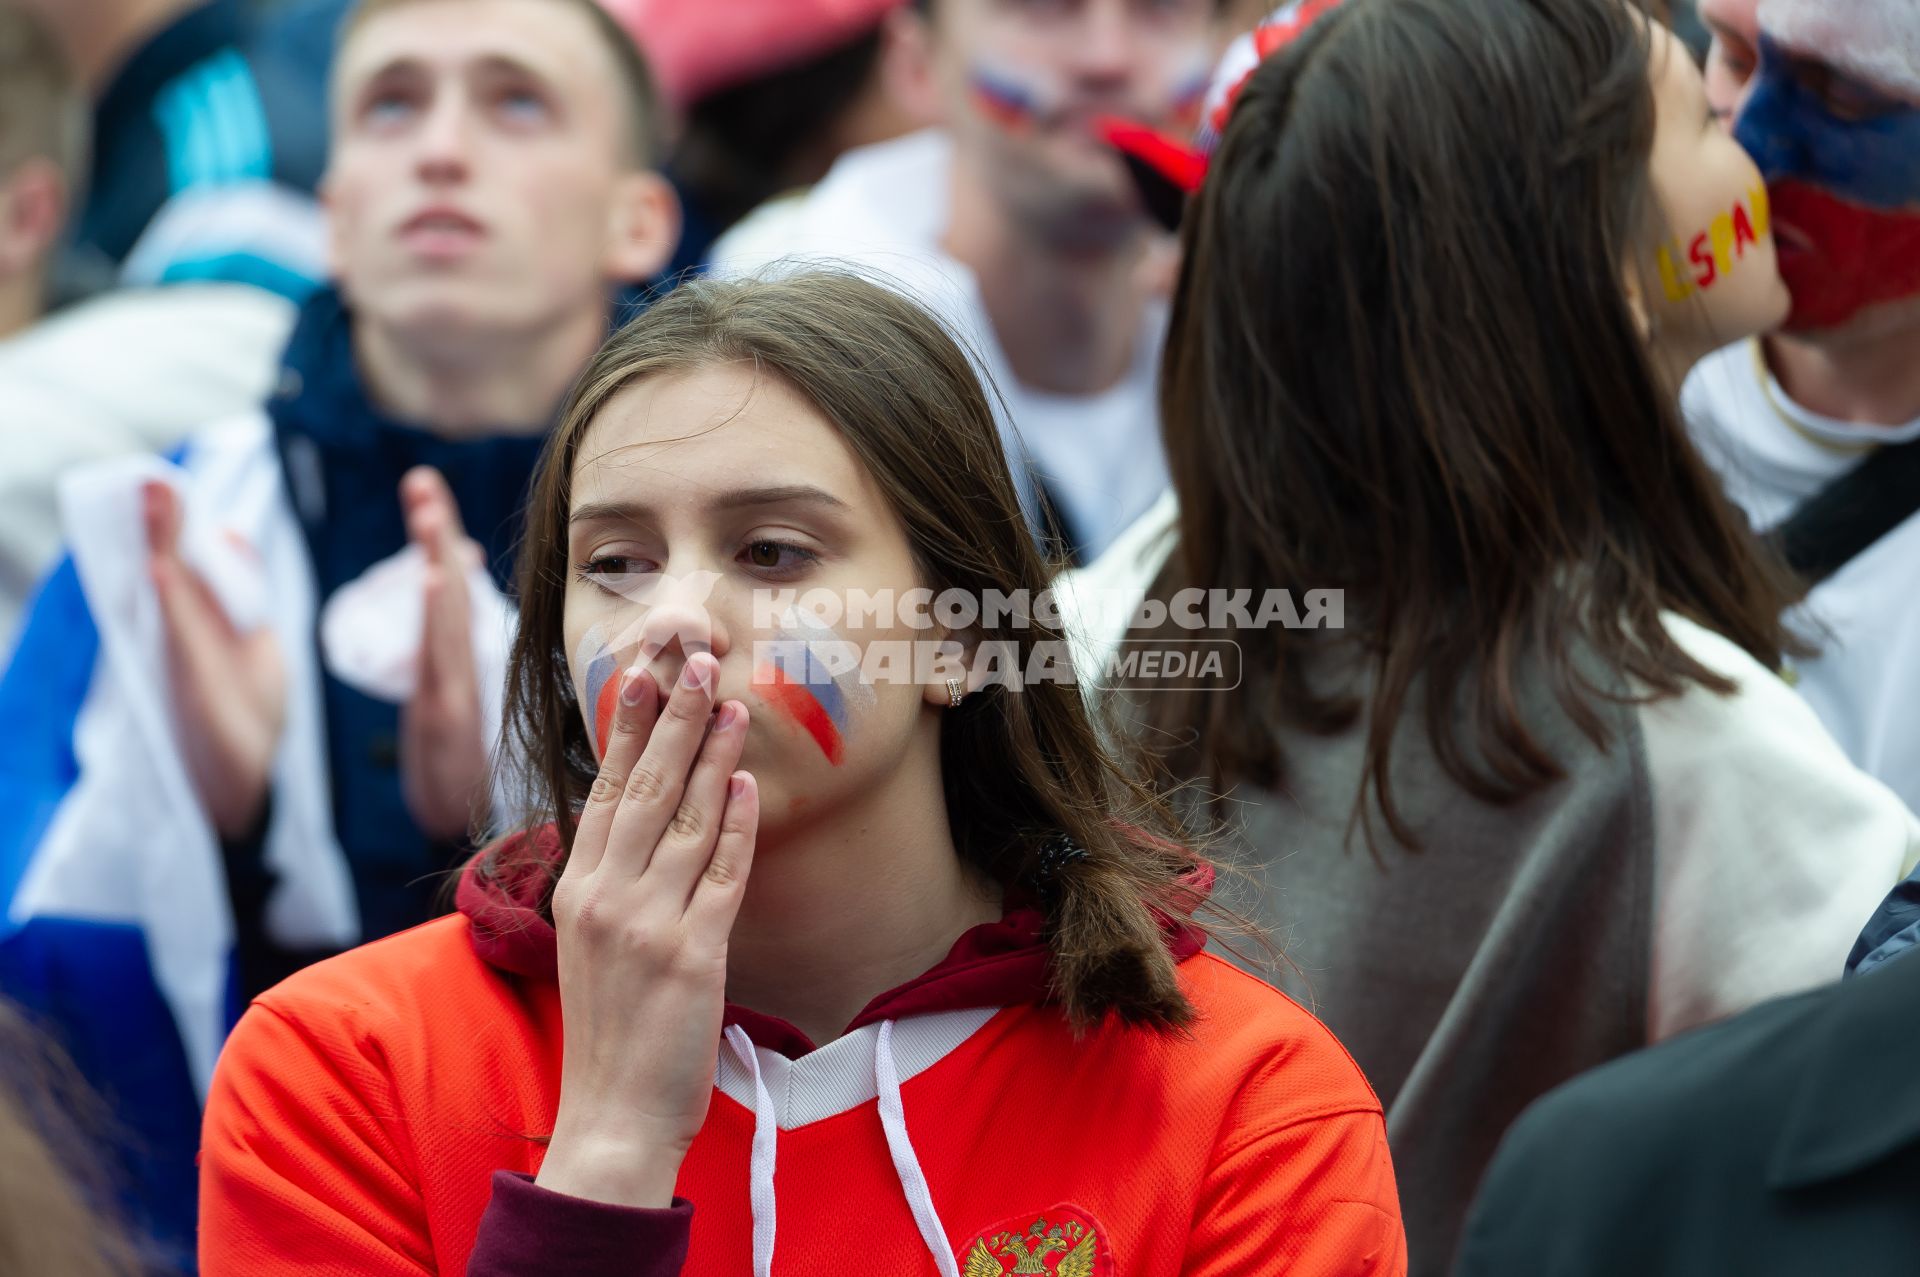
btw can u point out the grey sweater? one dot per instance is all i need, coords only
(1507, 954)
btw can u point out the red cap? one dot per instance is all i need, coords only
(699, 47)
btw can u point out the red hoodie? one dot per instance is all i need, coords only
(381, 1113)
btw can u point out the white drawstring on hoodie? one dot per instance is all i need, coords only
(893, 1121)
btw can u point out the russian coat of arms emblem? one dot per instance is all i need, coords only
(1063, 1242)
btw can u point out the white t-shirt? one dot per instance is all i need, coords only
(884, 209)
(1772, 454)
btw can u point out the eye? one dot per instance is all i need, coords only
(777, 557)
(1854, 103)
(610, 571)
(522, 106)
(1735, 60)
(389, 107)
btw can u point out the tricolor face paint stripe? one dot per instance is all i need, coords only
(801, 703)
(1189, 97)
(1846, 191)
(1852, 258)
(794, 662)
(812, 675)
(1009, 99)
(600, 685)
(1793, 135)
(1020, 98)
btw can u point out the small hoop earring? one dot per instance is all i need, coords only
(954, 694)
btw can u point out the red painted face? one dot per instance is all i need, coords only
(1839, 258)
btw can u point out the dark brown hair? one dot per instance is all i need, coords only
(1021, 768)
(645, 118)
(1402, 364)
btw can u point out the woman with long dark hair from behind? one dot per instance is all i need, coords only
(1542, 798)
(968, 1023)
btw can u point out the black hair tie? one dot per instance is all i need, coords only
(1055, 853)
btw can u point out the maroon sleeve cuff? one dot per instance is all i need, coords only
(532, 1230)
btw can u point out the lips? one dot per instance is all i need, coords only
(442, 231)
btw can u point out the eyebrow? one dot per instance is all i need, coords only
(738, 499)
(504, 64)
(493, 64)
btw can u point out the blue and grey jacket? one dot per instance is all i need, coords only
(124, 912)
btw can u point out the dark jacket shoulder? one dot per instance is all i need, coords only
(1783, 1141)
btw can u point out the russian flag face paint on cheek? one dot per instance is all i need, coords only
(810, 676)
(598, 670)
(1011, 100)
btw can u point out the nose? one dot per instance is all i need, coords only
(1105, 46)
(675, 621)
(446, 141)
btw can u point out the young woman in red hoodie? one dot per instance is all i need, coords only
(830, 950)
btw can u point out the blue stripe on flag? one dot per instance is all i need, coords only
(40, 697)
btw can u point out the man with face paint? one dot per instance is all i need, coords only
(1020, 226)
(1825, 94)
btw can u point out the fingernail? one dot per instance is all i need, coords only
(695, 674)
(736, 785)
(728, 717)
(633, 687)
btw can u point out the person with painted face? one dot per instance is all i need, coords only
(1539, 797)
(1807, 426)
(1022, 228)
(247, 718)
(824, 944)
